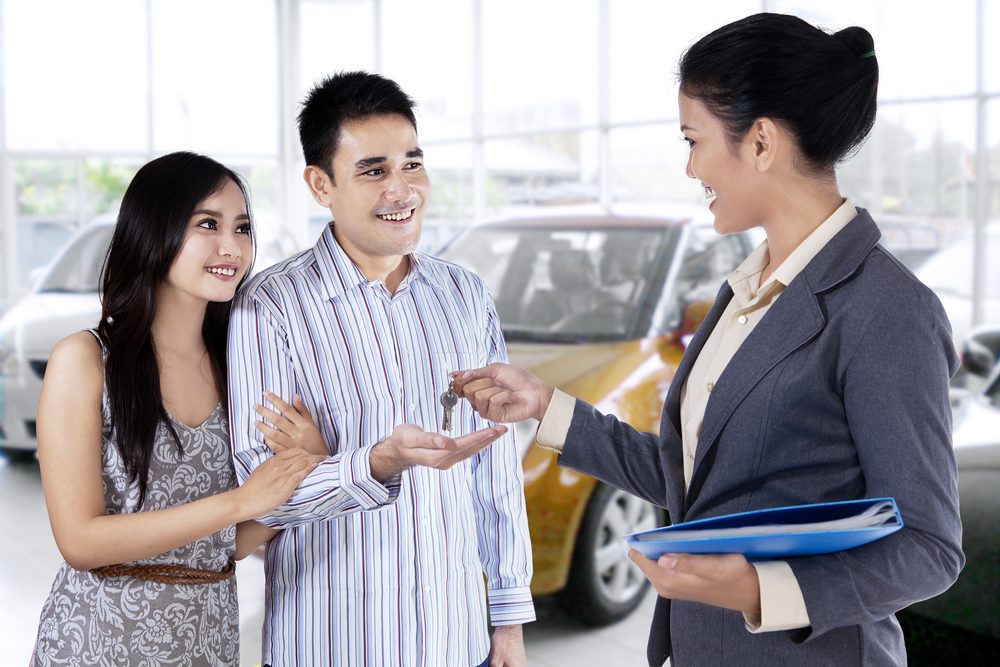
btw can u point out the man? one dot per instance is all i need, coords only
(382, 558)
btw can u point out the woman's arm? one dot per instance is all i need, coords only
(69, 453)
(249, 536)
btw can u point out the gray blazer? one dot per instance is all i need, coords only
(839, 393)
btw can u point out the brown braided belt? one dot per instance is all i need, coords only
(168, 574)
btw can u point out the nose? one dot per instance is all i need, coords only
(397, 188)
(230, 246)
(690, 167)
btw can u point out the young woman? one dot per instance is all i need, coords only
(820, 374)
(133, 439)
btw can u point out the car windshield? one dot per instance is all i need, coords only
(565, 284)
(79, 269)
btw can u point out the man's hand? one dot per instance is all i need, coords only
(503, 393)
(507, 647)
(721, 580)
(409, 445)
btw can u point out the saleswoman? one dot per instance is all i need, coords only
(820, 374)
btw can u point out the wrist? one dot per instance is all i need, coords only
(545, 399)
(384, 461)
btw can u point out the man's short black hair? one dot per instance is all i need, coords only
(341, 98)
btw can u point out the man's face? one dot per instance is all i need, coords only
(380, 196)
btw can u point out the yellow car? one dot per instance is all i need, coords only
(602, 308)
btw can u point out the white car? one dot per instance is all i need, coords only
(65, 300)
(949, 273)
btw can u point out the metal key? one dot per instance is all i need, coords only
(449, 400)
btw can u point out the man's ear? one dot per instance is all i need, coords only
(763, 142)
(319, 184)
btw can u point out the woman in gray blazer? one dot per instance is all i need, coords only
(820, 374)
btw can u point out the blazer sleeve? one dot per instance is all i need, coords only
(895, 396)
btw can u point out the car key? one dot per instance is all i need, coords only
(449, 400)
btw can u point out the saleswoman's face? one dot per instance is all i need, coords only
(725, 173)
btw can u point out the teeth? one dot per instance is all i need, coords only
(709, 193)
(402, 215)
(221, 272)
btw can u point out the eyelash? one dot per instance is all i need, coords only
(690, 142)
(242, 229)
(379, 170)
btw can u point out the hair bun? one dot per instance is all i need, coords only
(857, 40)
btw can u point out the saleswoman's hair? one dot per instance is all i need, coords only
(152, 224)
(818, 86)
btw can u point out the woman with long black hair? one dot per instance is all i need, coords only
(133, 438)
(820, 374)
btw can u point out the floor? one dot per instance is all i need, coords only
(29, 560)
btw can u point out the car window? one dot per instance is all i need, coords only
(709, 258)
(566, 284)
(79, 268)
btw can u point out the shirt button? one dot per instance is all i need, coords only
(710, 386)
(423, 522)
(742, 319)
(406, 352)
(412, 407)
(427, 589)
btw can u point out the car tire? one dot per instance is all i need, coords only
(604, 585)
(17, 455)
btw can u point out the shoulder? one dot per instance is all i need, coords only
(451, 276)
(280, 274)
(77, 362)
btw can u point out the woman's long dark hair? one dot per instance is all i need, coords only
(821, 87)
(152, 224)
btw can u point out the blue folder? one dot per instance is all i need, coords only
(656, 542)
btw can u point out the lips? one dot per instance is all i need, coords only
(223, 270)
(398, 216)
(709, 192)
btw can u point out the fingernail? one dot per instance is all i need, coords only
(267, 393)
(466, 375)
(667, 561)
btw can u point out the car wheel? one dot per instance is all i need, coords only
(604, 585)
(17, 455)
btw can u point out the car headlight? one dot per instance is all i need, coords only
(524, 436)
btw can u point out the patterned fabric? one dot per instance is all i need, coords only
(365, 573)
(93, 620)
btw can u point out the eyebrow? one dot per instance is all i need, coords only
(685, 128)
(366, 163)
(218, 214)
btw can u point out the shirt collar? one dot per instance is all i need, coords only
(745, 280)
(340, 274)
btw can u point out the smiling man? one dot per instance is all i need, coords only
(384, 546)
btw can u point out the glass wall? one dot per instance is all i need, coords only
(523, 105)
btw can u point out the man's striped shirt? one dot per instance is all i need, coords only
(366, 573)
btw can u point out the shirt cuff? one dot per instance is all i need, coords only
(357, 480)
(555, 422)
(782, 606)
(511, 606)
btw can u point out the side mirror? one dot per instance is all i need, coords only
(980, 351)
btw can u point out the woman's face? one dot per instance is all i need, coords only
(725, 171)
(217, 249)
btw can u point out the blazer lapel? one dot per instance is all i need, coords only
(793, 319)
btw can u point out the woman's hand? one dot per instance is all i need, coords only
(272, 482)
(293, 427)
(721, 580)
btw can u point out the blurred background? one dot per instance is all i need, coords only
(524, 104)
(526, 108)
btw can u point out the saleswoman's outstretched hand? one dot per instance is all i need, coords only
(721, 580)
(504, 393)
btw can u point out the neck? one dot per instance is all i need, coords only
(177, 324)
(390, 269)
(795, 213)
